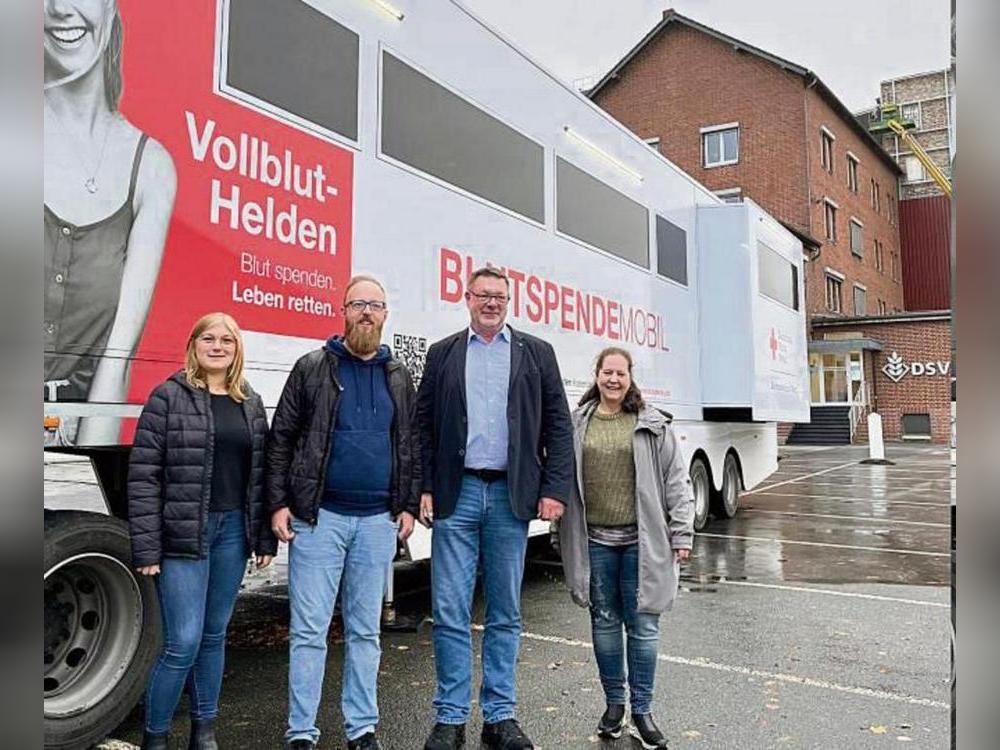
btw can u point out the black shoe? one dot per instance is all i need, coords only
(301, 745)
(152, 741)
(364, 742)
(202, 735)
(446, 737)
(505, 735)
(645, 730)
(612, 723)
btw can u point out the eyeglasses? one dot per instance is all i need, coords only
(482, 298)
(359, 305)
(209, 340)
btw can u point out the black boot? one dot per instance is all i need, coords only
(202, 735)
(649, 735)
(612, 723)
(156, 741)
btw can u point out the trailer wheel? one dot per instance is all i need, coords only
(102, 628)
(701, 486)
(726, 502)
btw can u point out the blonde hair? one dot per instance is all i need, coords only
(193, 372)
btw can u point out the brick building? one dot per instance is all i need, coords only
(747, 123)
(907, 373)
(927, 100)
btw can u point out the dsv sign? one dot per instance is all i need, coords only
(896, 368)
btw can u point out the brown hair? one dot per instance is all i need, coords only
(113, 63)
(195, 375)
(491, 271)
(358, 278)
(633, 401)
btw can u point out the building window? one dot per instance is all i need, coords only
(671, 251)
(730, 195)
(653, 143)
(721, 144)
(856, 237)
(879, 260)
(596, 213)
(852, 173)
(882, 310)
(894, 263)
(916, 426)
(911, 112)
(830, 219)
(826, 149)
(860, 294)
(874, 193)
(833, 287)
(914, 169)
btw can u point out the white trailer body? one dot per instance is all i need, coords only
(313, 140)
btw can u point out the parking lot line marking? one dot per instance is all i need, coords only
(702, 663)
(826, 592)
(804, 476)
(923, 553)
(873, 519)
(854, 499)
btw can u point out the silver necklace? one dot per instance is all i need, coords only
(90, 177)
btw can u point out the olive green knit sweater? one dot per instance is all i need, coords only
(609, 470)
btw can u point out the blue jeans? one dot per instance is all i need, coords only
(196, 602)
(482, 531)
(353, 554)
(614, 595)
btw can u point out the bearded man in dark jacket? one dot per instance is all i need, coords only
(343, 479)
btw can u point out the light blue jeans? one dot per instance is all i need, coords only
(353, 554)
(482, 531)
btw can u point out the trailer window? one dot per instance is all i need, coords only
(777, 278)
(671, 251)
(295, 58)
(432, 129)
(599, 215)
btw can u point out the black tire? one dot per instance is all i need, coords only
(726, 502)
(701, 485)
(102, 628)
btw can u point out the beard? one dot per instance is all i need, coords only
(360, 340)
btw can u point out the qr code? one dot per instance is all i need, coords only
(412, 352)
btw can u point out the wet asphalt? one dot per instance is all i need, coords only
(817, 618)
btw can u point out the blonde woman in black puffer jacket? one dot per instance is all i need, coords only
(196, 512)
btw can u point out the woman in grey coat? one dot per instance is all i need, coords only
(627, 526)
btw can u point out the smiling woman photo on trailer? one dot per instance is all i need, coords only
(109, 192)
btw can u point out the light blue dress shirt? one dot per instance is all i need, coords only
(487, 379)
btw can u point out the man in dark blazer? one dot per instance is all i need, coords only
(497, 452)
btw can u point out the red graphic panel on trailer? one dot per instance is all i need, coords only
(261, 226)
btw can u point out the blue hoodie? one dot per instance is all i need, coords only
(360, 466)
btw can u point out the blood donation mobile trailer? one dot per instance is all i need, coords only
(259, 153)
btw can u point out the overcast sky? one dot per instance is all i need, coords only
(850, 44)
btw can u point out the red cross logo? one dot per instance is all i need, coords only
(773, 344)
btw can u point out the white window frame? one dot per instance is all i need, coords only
(912, 159)
(838, 299)
(860, 252)
(854, 300)
(852, 172)
(711, 129)
(916, 120)
(825, 134)
(830, 226)
(729, 193)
